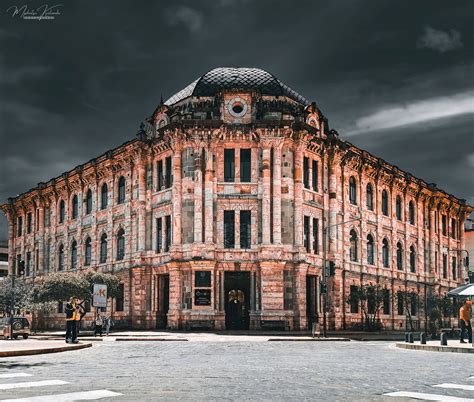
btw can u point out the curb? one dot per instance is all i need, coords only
(434, 348)
(309, 340)
(28, 352)
(151, 339)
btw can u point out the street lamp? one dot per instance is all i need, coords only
(325, 271)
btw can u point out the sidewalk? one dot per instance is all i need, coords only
(24, 347)
(435, 346)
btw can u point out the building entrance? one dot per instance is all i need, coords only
(163, 287)
(237, 299)
(311, 300)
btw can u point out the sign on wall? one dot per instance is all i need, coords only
(99, 297)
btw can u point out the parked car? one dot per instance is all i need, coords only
(21, 327)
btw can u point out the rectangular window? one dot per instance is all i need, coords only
(245, 165)
(288, 290)
(159, 235)
(29, 223)
(306, 234)
(454, 268)
(229, 229)
(159, 175)
(18, 264)
(315, 175)
(445, 266)
(37, 219)
(306, 172)
(436, 222)
(453, 228)
(229, 165)
(315, 236)
(354, 299)
(168, 233)
(436, 262)
(413, 304)
(47, 217)
(371, 300)
(60, 307)
(245, 231)
(37, 260)
(386, 301)
(47, 257)
(20, 226)
(120, 298)
(444, 225)
(400, 303)
(169, 172)
(202, 279)
(28, 264)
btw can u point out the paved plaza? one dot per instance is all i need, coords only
(230, 370)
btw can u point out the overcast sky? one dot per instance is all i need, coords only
(393, 77)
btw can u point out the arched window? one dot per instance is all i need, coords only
(88, 252)
(411, 213)
(121, 190)
(370, 250)
(352, 191)
(103, 196)
(385, 202)
(89, 201)
(353, 246)
(75, 207)
(103, 248)
(120, 244)
(399, 256)
(62, 211)
(370, 197)
(61, 258)
(412, 259)
(398, 208)
(385, 254)
(74, 255)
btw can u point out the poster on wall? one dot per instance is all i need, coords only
(202, 297)
(99, 296)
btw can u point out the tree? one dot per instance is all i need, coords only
(439, 308)
(21, 291)
(370, 299)
(411, 303)
(61, 286)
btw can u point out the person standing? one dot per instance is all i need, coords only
(465, 316)
(98, 324)
(108, 323)
(71, 333)
(78, 314)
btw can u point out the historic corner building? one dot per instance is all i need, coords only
(215, 214)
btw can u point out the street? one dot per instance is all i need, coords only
(237, 371)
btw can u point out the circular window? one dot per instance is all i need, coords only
(237, 107)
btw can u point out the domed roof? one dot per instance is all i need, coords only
(236, 78)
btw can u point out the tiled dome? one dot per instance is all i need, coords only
(236, 78)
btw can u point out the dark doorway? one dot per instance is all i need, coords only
(311, 300)
(237, 300)
(163, 301)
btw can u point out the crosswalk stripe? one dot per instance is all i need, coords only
(30, 384)
(455, 386)
(427, 397)
(471, 378)
(72, 396)
(13, 375)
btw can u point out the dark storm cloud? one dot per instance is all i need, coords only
(74, 87)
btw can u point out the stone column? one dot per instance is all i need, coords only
(333, 205)
(175, 294)
(141, 202)
(277, 192)
(208, 199)
(432, 242)
(266, 193)
(272, 287)
(298, 194)
(198, 196)
(237, 228)
(177, 205)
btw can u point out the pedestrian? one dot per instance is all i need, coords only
(71, 332)
(465, 315)
(108, 323)
(98, 324)
(78, 314)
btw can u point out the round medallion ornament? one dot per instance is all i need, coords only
(237, 107)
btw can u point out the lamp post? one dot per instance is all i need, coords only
(325, 271)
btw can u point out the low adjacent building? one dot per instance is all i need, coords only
(222, 210)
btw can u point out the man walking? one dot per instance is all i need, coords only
(465, 315)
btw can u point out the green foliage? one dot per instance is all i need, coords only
(22, 292)
(370, 299)
(61, 286)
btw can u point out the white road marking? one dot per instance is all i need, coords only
(30, 384)
(13, 375)
(427, 397)
(73, 396)
(455, 386)
(471, 378)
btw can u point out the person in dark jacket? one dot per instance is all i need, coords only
(71, 308)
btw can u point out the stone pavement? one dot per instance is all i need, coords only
(435, 346)
(23, 347)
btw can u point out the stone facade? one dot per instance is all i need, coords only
(216, 214)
